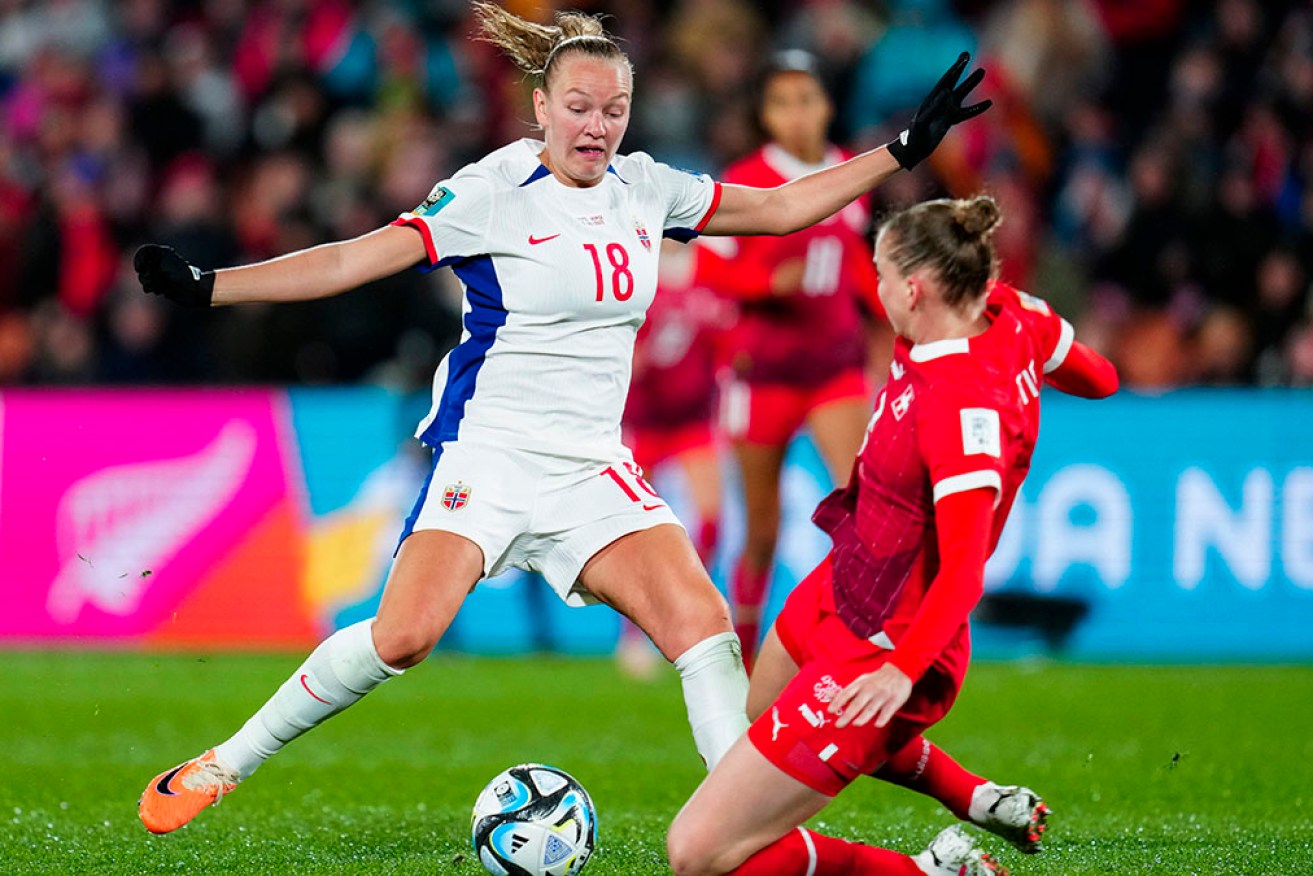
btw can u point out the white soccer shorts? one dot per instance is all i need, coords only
(534, 511)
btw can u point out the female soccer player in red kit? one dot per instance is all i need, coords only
(871, 649)
(798, 349)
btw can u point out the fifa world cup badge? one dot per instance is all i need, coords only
(455, 496)
(437, 199)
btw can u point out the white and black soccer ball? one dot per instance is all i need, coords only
(534, 820)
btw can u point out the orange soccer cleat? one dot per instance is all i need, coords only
(176, 796)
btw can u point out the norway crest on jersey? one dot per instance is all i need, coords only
(643, 237)
(455, 496)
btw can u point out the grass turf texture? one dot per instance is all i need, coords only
(1150, 770)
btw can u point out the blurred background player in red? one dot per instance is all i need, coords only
(872, 647)
(798, 350)
(669, 414)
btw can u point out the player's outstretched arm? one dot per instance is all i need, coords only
(1084, 373)
(317, 272)
(809, 199)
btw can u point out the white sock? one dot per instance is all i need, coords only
(716, 694)
(344, 668)
(979, 809)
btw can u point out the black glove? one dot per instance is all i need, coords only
(163, 272)
(940, 110)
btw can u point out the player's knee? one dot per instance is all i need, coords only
(692, 618)
(403, 646)
(712, 613)
(688, 850)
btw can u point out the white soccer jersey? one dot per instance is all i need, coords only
(557, 281)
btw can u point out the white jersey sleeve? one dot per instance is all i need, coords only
(690, 198)
(454, 218)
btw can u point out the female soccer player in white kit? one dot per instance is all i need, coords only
(556, 244)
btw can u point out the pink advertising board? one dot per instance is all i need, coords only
(118, 509)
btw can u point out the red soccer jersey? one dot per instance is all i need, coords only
(808, 337)
(676, 355)
(955, 415)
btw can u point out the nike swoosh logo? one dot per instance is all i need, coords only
(162, 786)
(306, 685)
(653, 507)
(534, 241)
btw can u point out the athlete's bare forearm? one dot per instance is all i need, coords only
(802, 202)
(321, 271)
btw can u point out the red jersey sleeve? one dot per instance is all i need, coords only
(1084, 373)
(1069, 366)
(962, 531)
(960, 435)
(1053, 333)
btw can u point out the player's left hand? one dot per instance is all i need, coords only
(940, 110)
(876, 695)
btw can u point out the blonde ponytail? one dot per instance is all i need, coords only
(535, 48)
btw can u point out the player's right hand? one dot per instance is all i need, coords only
(873, 697)
(162, 271)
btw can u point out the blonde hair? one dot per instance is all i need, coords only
(954, 238)
(536, 48)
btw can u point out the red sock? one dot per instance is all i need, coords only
(926, 768)
(747, 591)
(708, 536)
(800, 851)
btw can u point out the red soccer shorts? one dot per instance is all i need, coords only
(797, 733)
(651, 447)
(771, 413)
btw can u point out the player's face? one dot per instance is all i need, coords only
(795, 113)
(895, 291)
(584, 117)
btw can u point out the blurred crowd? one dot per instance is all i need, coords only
(1154, 159)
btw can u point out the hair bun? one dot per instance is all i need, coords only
(978, 216)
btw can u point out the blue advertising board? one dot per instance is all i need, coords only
(1182, 524)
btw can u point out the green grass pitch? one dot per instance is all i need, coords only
(1168, 770)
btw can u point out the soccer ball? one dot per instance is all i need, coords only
(534, 820)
